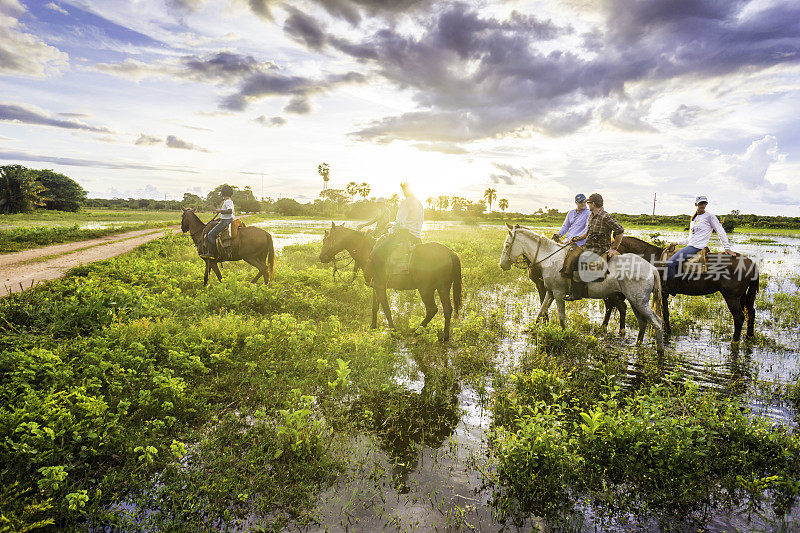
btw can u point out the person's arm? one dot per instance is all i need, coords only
(580, 237)
(618, 232)
(723, 236)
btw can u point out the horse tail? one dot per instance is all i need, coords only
(270, 257)
(456, 282)
(657, 294)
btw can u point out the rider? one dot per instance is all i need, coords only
(407, 227)
(574, 225)
(381, 219)
(599, 229)
(225, 218)
(701, 227)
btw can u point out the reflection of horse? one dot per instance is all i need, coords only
(433, 268)
(736, 277)
(404, 419)
(629, 274)
(253, 245)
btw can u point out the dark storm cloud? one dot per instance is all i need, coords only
(15, 113)
(74, 162)
(305, 29)
(476, 77)
(277, 83)
(224, 66)
(174, 142)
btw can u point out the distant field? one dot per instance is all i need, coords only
(30, 230)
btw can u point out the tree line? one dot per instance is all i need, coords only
(24, 189)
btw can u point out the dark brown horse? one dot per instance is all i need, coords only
(433, 268)
(736, 277)
(253, 245)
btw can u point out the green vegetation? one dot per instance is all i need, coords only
(132, 397)
(22, 189)
(16, 239)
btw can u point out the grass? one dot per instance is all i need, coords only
(132, 397)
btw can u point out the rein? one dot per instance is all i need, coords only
(524, 262)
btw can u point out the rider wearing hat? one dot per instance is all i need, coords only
(600, 228)
(407, 228)
(701, 227)
(574, 225)
(226, 213)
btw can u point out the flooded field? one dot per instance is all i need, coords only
(288, 412)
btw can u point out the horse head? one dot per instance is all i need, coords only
(332, 243)
(511, 248)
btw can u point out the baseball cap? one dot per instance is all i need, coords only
(580, 197)
(700, 199)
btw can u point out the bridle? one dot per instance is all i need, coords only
(522, 261)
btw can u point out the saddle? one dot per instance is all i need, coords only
(697, 264)
(400, 259)
(227, 240)
(590, 271)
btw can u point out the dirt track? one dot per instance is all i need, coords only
(22, 270)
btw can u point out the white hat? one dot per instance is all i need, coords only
(700, 199)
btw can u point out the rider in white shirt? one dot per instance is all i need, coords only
(226, 213)
(407, 227)
(701, 227)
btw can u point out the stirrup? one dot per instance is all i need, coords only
(572, 298)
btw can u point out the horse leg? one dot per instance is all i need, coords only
(374, 308)
(261, 265)
(542, 290)
(548, 299)
(384, 299)
(622, 308)
(215, 268)
(562, 313)
(665, 313)
(644, 315)
(205, 274)
(609, 308)
(427, 295)
(447, 307)
(735, 307)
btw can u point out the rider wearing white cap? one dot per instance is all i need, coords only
(701, 227)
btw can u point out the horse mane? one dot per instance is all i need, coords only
(638, 240)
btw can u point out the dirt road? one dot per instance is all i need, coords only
(22, 270)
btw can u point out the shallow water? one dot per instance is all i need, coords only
(441, 488)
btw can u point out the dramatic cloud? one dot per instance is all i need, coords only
(75, 162)
(22, 53)
(486, 77)
(271, 121)
(750, 170)
(303, 28)
(174, 142)
(15, 113)
(299, 105)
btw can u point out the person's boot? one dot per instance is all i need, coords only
(208, 251)
(576, 291)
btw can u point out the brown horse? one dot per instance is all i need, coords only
(253, 245)
(736, 277)
(433, 268)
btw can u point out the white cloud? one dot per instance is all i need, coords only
(23, 54)
(57, 8)
(750, 169)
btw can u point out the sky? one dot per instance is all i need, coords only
(537, 99)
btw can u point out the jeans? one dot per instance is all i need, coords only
(216, 230)
(681, 255)
(384, 247)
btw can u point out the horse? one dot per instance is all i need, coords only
(629, 274)
(615, 301)
(736, 277)
(254, 247)
(433, 268)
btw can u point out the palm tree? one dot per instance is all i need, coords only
(490, 195)
(324, 170)
(364, 189)
(503, 204)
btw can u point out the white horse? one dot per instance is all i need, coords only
(629, 274)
